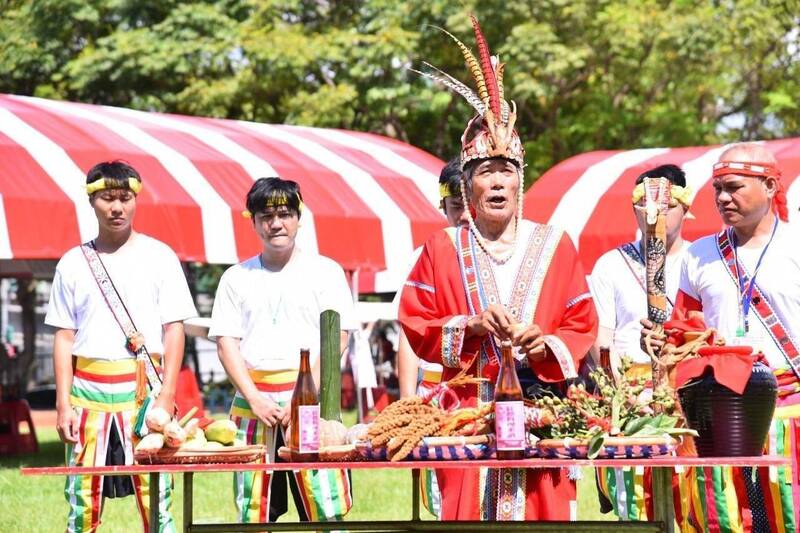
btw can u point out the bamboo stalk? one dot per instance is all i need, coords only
(330, 394)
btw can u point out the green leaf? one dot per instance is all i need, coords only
(634, 425)
(596, 444)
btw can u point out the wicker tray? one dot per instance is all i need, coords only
(345, 452)
(437, 448)
(613, 448)
(229, 454)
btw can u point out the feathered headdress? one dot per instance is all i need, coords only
(491, 133)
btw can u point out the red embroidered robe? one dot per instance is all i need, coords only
(452, 280)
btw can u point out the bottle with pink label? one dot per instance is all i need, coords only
(304, 434)
(509, 409)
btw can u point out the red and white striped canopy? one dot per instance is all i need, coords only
(370, 200)
(589, 195)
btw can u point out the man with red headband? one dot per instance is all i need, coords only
(746, 282)
(496, 278)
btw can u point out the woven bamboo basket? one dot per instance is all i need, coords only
(229, 454)
(343, 452)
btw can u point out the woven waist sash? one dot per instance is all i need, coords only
(104, 385)
(275, 385)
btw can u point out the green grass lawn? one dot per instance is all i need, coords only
(37, 503)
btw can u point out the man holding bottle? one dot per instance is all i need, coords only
(265, 311)
(499, 278)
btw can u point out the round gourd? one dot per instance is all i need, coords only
(331, 433)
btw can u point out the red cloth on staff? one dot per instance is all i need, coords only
(434, 308)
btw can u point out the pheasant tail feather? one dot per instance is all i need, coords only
(493, 91)
(472, 65)
(455, 86)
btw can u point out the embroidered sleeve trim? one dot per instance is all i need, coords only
(562, 354)
(421, 286)
(578, 299)
(453, 340)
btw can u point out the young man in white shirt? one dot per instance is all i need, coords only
(95, 369)
(746, 283)
(266, 309)
(618, 281)
(619, 290)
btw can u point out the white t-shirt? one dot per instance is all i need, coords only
(150, 282)
(706, 278)
(620, 300)
(275, 314)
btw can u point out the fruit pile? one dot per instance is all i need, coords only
(185, 434)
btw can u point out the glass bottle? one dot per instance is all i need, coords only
(605, 361)
(509, 409)
(304, 434)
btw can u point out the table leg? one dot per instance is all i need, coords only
(663, 505)
(155, 489)
(188, 501)
(415, 494)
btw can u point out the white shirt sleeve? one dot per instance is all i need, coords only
(336, 295)
(226, 315)
(601, 285)
(175, 302)
(61, 312)
(687, 274)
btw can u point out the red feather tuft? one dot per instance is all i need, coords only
(486, 67)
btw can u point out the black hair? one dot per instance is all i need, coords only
(116, 174)
(274, 190)
(673, 173)
(451, 176)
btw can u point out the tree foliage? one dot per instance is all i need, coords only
(595, 74)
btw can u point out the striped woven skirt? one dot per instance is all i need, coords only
(321, 494)
(103, 397)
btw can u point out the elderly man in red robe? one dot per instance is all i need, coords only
(499, 278)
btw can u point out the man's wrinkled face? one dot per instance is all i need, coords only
(114, 208)
(743, 200)
(495, 183)
(277, 227)
(453, 207)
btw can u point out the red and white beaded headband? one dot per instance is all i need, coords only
(768, 170)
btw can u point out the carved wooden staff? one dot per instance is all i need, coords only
(658, 193)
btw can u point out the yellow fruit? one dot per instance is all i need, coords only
(213, 445)
(222, 431)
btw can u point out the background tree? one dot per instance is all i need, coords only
(596, 74)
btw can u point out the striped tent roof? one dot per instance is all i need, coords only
(370, 200)
(589, 195)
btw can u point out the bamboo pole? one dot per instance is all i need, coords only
(330, 382)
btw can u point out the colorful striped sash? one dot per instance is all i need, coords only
(275, 385)
(763, 308)
(103, 385)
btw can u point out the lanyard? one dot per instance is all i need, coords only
(746, 295)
